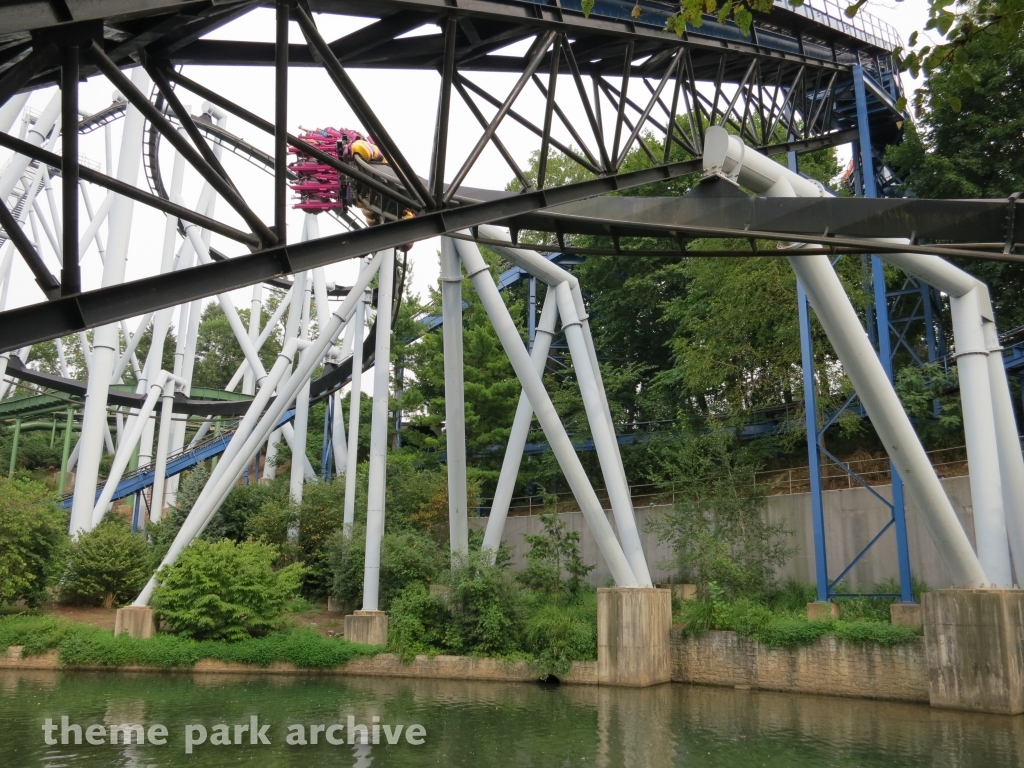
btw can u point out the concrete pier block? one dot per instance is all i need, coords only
(633, 636)
(819, 611)
(974, 643)
(906, 614)
(135, 620)
(367, 627)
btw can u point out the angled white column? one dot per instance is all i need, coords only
(726, 153)
(454, 396)
(358, 326)
(248, 437)
(520, 429)
(376, 485)
(163, 440)
(562, 448)
(105, 338)
(598, 414)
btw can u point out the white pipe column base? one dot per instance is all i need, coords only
(862, 366)
(379, 433)
(454, 397)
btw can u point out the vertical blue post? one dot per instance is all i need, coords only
(882, 319)
(813, 458)
(811, 419)
(325, 450)
(135, 512)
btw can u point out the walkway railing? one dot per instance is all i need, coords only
(948, 462)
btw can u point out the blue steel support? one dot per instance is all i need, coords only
(813, 457)
(811, 419)
(326, 452)
(882, 320)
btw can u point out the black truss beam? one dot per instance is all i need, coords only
(194, 158)
(828, 220)
(114, 185)
(44, 278)
(321, 50)
(39, 322)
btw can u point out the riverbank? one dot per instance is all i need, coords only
(828, 665)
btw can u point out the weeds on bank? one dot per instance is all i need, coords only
(782, 622)
(85, 645)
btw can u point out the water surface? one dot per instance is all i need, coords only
(490, 724)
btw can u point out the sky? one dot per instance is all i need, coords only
(405, 101)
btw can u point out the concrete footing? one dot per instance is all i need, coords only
(136, 621)
(974, 641)
(819, 611)
(906, 614)
(367, 627)
(633, 636)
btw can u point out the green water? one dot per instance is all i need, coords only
(489, 724)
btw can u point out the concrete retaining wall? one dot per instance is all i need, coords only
(852, 518)
(828, 667)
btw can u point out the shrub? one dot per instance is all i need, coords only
(717, 528)
(556, 635)
(32, 541)
(88, 645)
(406, 557)
(486, 607)
(552, 552)
(225, 591)
(107, 565)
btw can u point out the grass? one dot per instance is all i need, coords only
(86, 645)
(786, 627)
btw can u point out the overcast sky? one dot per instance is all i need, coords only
(404, 100)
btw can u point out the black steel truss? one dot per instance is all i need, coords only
(636, 83)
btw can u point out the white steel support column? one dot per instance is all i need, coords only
(105, 338)
(127, 447)
(517, 438)
(156, 508)
(454, 397)
(728, 155)
(358, 326)
(980, 436)
(301, 401)
(864, 369)
(569, 462)
(257, 423)
(604, 436)
(379, 432)
(1011, 462)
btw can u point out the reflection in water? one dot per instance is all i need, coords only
(491, 724)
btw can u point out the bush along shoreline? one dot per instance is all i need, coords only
(89, 646)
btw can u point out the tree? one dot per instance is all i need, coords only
(973, 150)
(552, 552)
(107, 565)
(717, 528)
(224, 590)
(32, 541)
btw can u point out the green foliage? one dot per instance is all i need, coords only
(406, 558)
(552, 552)
(32, 541)
(107, 565)
(559, 634)
(83, 644)
(218, 354)
(224, 591)
(486, 608)
(716, 529)
(481, 613)
(969, 143)
(785, 629)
